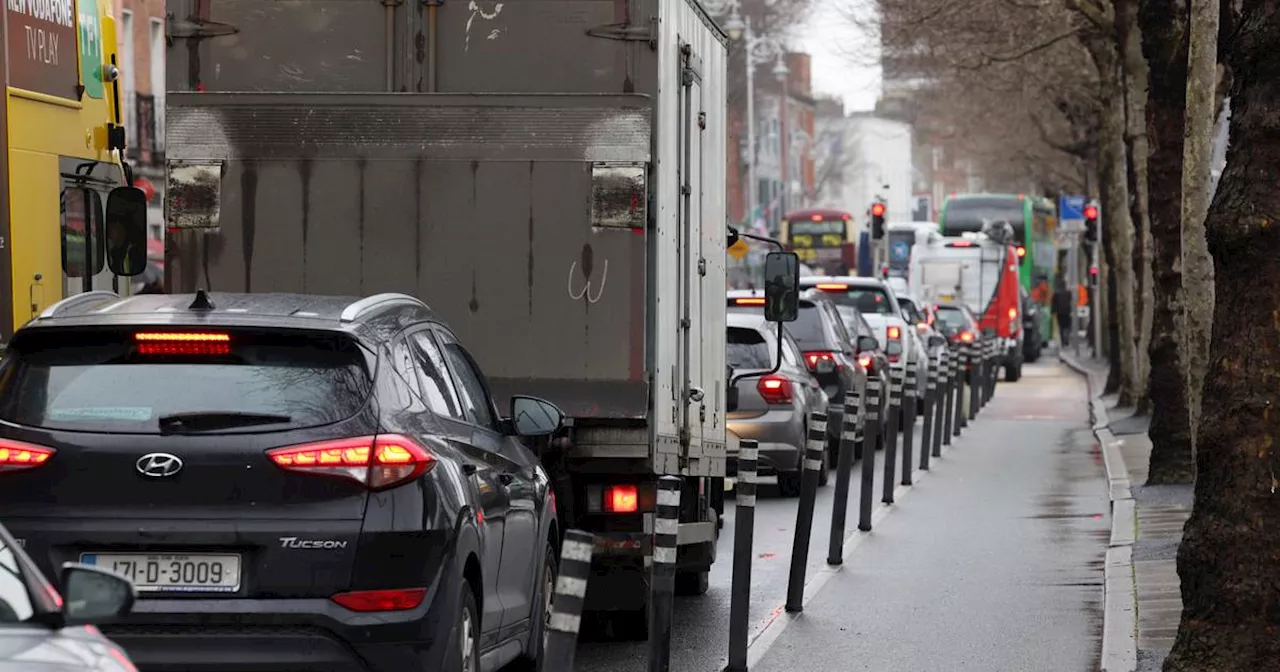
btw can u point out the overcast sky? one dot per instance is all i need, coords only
(844, 57)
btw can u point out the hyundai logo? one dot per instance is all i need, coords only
(159, 465)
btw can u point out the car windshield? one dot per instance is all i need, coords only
(867, 300)
(952, 318)
(147, 381)
(15, 601)
(748, 349)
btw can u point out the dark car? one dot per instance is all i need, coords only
(828, 351)
(773, 409)
(40, 630)
(291, 482)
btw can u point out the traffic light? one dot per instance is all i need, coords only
(877, 220)
(1091, 223)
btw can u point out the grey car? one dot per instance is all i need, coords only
(772, 409)
(40, 630)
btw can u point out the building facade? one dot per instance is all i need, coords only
(140, 32)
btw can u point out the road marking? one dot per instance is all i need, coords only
(765, 636)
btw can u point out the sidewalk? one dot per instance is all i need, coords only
(1147, 521)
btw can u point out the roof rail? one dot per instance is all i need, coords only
(352, 312)
(87, 297)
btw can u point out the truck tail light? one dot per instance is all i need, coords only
(402, 599)
(376, 462)
(775, 389)
(19, 456)
(621, 499)
(822, 361)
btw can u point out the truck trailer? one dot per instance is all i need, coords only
(548, 177)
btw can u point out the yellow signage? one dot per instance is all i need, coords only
(739, 249)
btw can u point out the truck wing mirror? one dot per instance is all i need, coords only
(781, 287)
(127, 231)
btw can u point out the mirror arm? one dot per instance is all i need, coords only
(777, 364)
(762, 239)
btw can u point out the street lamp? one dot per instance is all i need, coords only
(758, 49)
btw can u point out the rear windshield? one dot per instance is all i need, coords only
(105, 381)
(952, 318)
(866, 300)
(911, 310)
(747, 349)
(808, 330)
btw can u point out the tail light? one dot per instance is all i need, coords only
(867, 362)
(822, 361)
(182, 343)
(18, 456)
(402, 599)
(1013, 313)
(895, 333)
(894, 348)
(775, 389)
(378, 463)
(966, 336)
(621, 499)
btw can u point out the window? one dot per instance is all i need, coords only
(437, 387)
(56, 379)
(407, 386)
(808, 330)
(83, 244)
(748, 349)
(790, 351)
(968, 214)
(868, 300)
(15, 601)
(473, 392)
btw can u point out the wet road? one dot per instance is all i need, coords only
(992, 562)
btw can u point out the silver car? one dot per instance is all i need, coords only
(772, 409)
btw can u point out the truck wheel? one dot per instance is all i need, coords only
(692, 583)
(789, 483)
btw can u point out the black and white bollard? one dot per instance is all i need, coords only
(994, 380)
(844, 468)
(910, 395)
(975, 380)
(870, 435)
(567, 601)
(804, 511)
(988, 370)
(949, 404)
(962, 389)
(930, 394)
(941, 404)
(666, 527)
(744, 514)
(891, 434)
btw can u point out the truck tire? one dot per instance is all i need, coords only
(789, 483)
(692, 583)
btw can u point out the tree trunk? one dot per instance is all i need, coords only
(1135, 86)
(1197, 266)
(1227, 559)
(1164, 41)
(1117, 227)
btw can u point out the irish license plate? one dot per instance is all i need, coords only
(172, 573)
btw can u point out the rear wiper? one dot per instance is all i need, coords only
(214, 420)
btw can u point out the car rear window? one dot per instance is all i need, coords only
(747, 349)
(953, 318)
(910, 309)
(808, 330)
(865, 299)
(127, 381)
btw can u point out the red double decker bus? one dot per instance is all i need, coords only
(823, 239)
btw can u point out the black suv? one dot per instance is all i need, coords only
(291, 482)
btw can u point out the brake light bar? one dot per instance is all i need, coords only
(960, 243)
(749, 302)
(182, 343)
(402, 599)
(833, 286)
(377, 463)
(19, 456)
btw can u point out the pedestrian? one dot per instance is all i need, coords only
(1062, 307)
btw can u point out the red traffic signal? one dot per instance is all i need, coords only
(877, 209)
(1090, 212)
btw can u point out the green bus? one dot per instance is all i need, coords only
(1035, 223)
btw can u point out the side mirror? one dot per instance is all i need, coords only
(93, 596)
(127, 231)
(531, 416)
(781, 287)
(936, 341)
(867, 343)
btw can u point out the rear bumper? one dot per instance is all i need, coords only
(283, 636)
(780, 434)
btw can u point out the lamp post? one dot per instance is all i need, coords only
(758, 49)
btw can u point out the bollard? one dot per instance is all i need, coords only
(567, 600)
(949, 403)
(989, 372)
(891, 434)
(870, 435)
(804, 512)
(940, 401)
(744, 514)
(975, 376)
(666, 525)
(930, 392)
(844, 467)
(962, 363)
(909, 393)
(995, 373)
